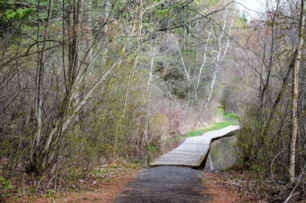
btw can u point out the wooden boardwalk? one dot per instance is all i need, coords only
(193, 150)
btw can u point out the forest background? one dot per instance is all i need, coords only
(83, 81)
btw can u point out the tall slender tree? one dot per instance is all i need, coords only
(295, 93)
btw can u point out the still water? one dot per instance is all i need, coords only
(222, 154)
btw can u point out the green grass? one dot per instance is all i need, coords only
(216, 126)
(227, 115)
(151, 148)
(231, 115)
(177, 138)
(220, 110)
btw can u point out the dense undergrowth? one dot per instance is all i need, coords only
(262, 146)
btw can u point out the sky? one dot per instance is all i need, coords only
(250, 6)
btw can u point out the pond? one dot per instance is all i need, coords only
(222, 154)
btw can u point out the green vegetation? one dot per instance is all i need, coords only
(231, 115)
(220, 110)
(151, 148)
(178, 138)
(227, 115)
(216, 126)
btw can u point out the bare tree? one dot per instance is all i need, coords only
(218, 59)
(295, 95)
(39, 87)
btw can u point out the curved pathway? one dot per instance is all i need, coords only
(193, 150)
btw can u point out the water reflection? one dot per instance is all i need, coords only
(222, 154)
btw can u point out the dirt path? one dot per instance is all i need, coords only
(166, 184)
(172, 184)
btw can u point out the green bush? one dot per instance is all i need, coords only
(261, 143)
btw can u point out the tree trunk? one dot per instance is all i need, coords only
(217, 64)
(295, 87)
(39, 96)
(202, 66)
(145, 139)
(75, 21)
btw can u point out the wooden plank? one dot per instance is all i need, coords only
(193, 150)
